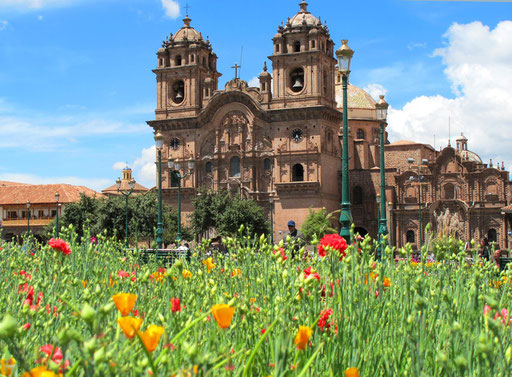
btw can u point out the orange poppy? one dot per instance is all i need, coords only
(209, 264)
(302, 337)
(386, 282)
(186, 274)
(352, 372)
(223, 314)
(151, 337)
(125, 302)
(41, 372)
(129, 325)
(6, 366)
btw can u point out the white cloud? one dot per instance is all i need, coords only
(46, 132)
(119, 165)
(145, 168)
(96, 184)
(375, 90)
(479, 67)
(3, 24)
(254, 82)
(414, 45)
(30, 5)
(172, 8)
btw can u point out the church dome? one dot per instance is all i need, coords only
(471, 156)
(303, 18)
(357, 98)
(187, 33)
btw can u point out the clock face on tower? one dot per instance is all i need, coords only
(175, 143)
(297, 135)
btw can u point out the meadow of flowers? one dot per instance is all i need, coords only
(81, 308)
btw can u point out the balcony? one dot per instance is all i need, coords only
(39, 221)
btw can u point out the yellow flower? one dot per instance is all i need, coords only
(352, 372)
(223, 314)
(302, 337)
(414, 264)
(41, 372)
(125, 302)
(209, 263)
(151, 337)
(186, 274)
(6, 366)
(129, 325)
(236, 272)
(84, 283)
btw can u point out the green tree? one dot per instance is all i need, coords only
(318, 222)
(81, 214)
(242, 212)
(216, 209)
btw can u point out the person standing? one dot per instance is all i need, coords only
(484, 251)
(296, 238)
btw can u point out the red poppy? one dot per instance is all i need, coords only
(309, 272)
(334, 242)
(281, 251)
(60, 245)
(175, 305)
(322, 322)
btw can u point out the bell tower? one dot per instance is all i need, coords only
(186, 73)
(303, 63)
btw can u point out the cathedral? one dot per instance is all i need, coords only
(280, 143)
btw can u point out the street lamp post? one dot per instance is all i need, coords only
(159, 142)
(382, 112)
(28, 218)
(57, 197)
(175, 167)
(419, 178)
(344, 55)
(126, 194)
(271, 201)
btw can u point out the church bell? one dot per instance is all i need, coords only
(298, 84)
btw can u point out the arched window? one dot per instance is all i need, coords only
(492, 189)
(267, 164)
(410, 236)
(178, 60)
(492, 235)
(297, 80)
(360, 134)
(234, 167)
(208, 168)
(297, 173)
(174, 180)
(178, 92)
(357, 195)
(449, 191)
(296, 47)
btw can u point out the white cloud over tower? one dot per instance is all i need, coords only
(478, 63)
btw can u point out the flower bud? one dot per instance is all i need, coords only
(88, 313)
(99, 356)
(8, 327)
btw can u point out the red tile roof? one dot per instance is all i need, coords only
(112, 190)
(7, 183)
(39, 194)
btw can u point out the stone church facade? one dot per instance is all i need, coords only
(282, 140)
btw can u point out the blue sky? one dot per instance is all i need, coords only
(76, 85)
